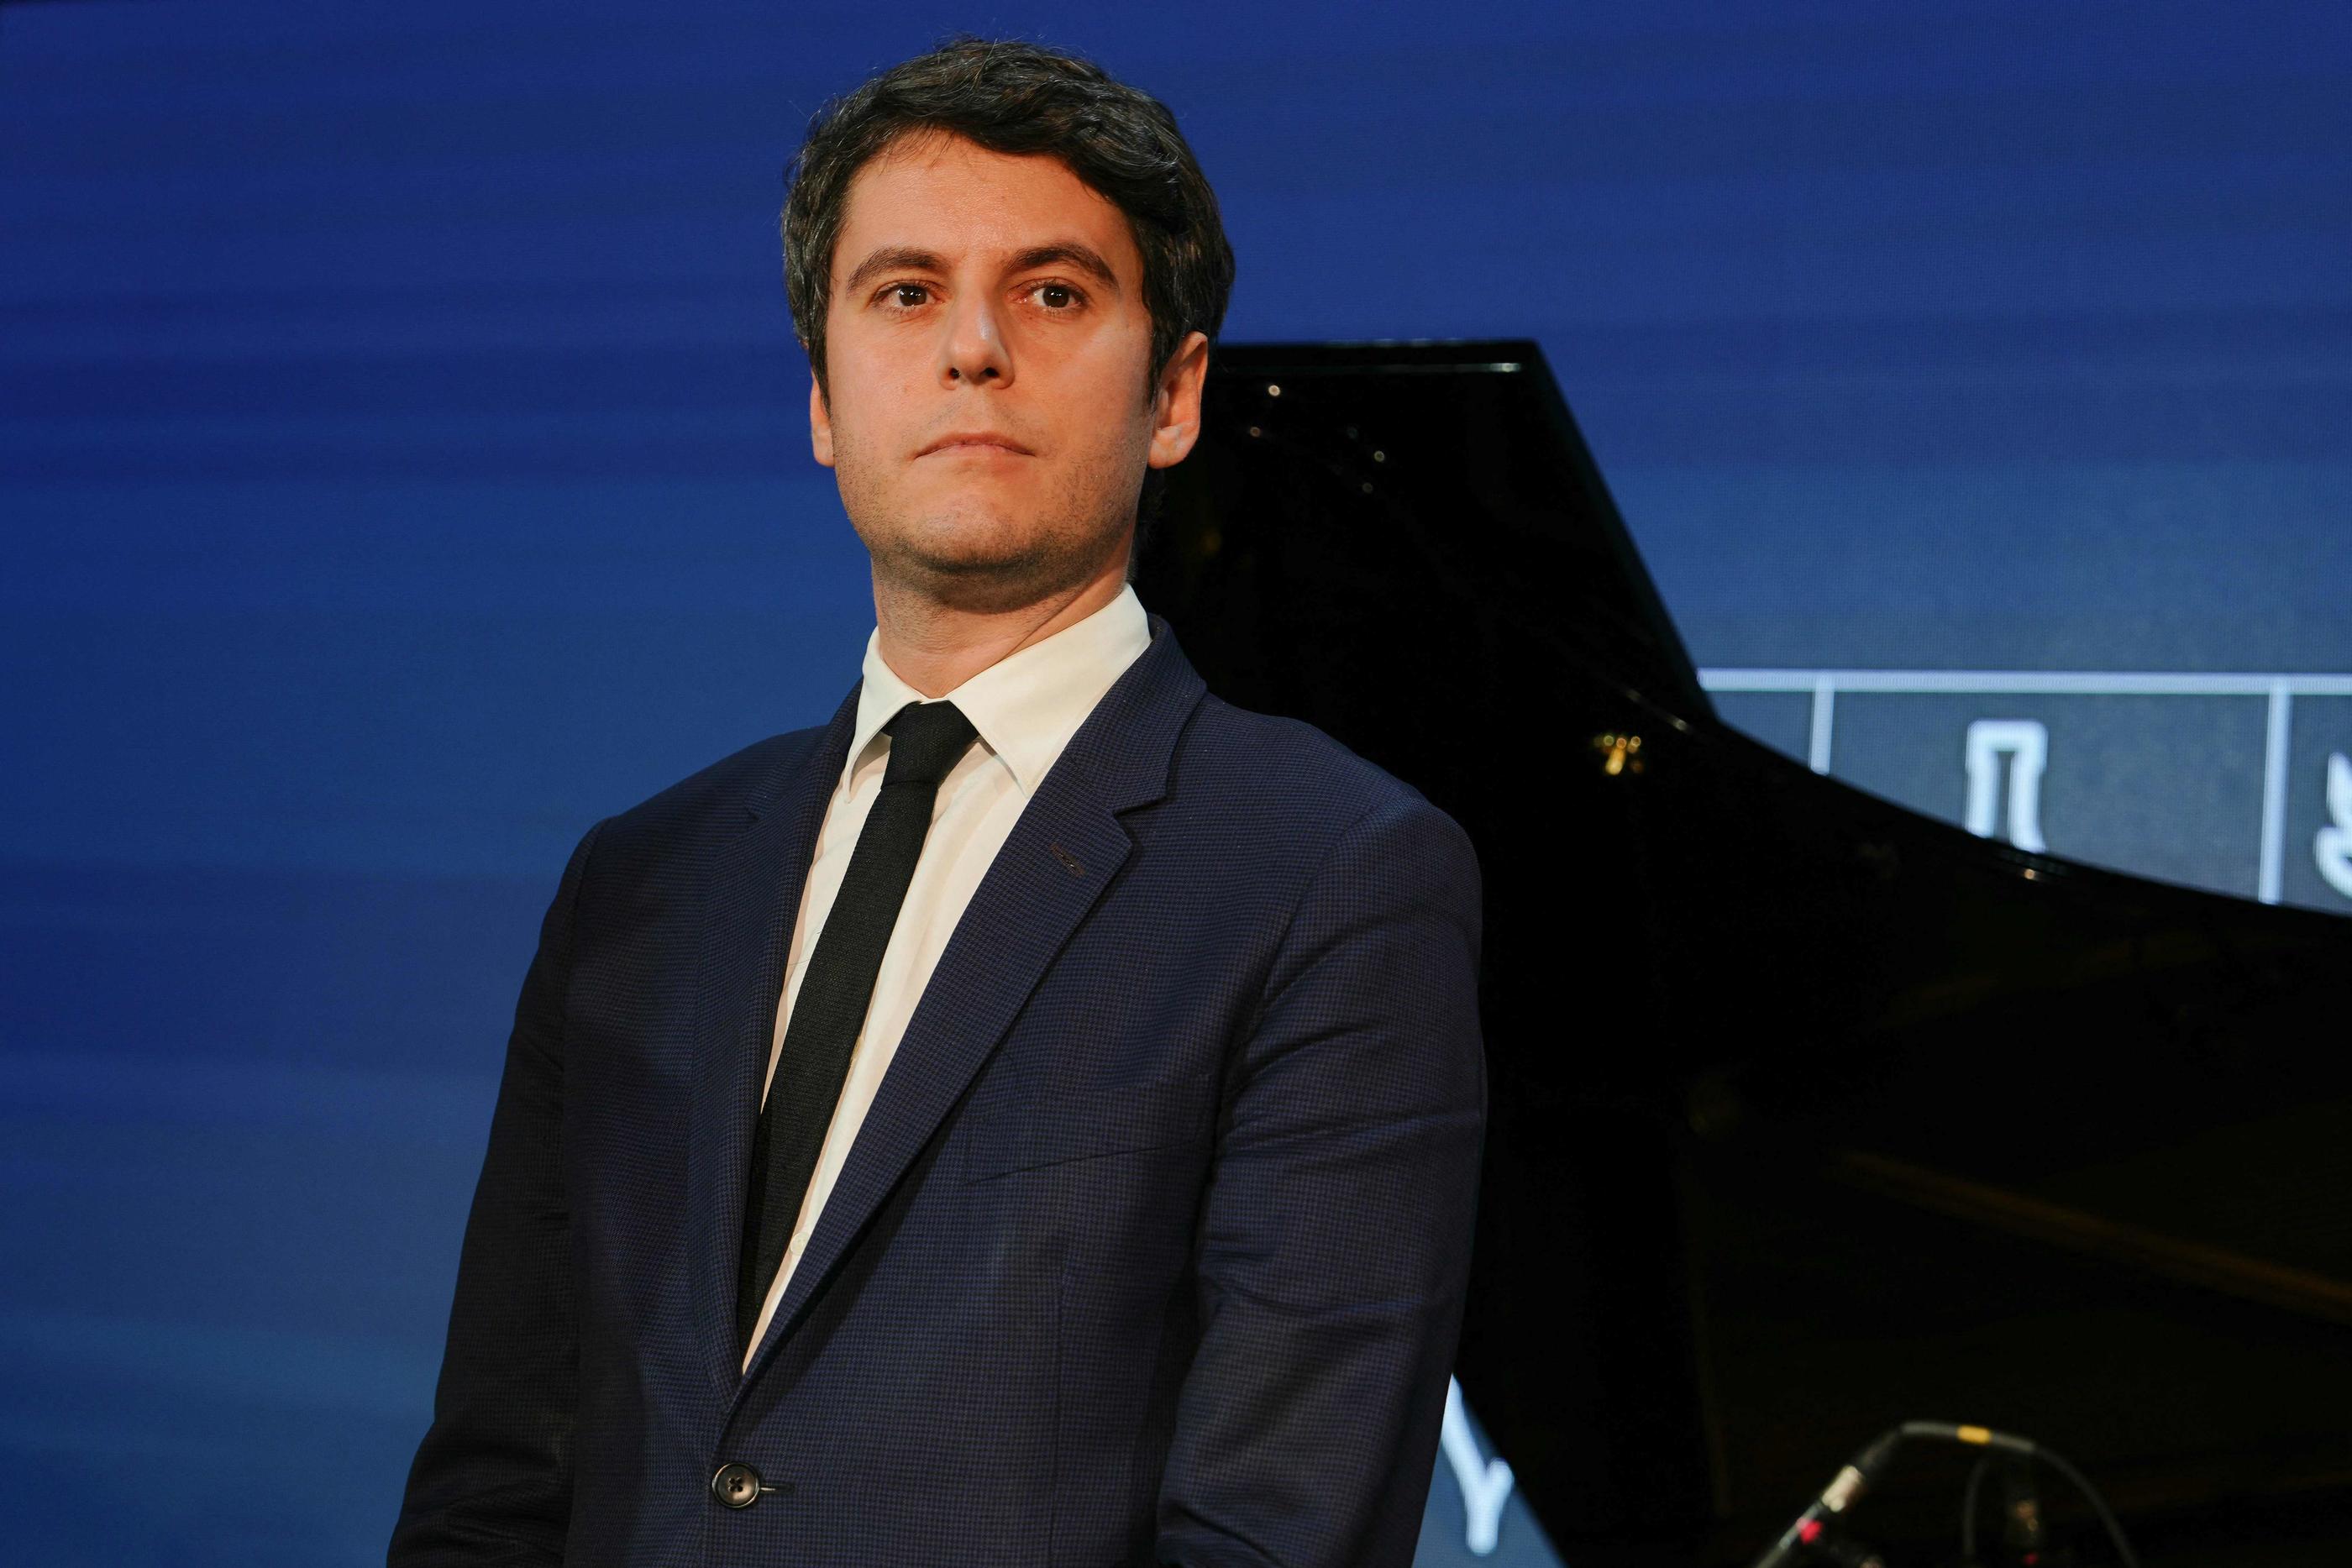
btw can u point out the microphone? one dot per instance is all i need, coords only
(2023, 1517)
(1844, 1490)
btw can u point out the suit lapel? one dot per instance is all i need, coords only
(1053, 869)
(752, 898)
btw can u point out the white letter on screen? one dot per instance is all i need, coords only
(2332, 847)
(2027, 742)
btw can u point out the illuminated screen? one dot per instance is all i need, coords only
(403, 466)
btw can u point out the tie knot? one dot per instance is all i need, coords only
(926, 740)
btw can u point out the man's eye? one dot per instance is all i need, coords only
(901, 293)
(1055, 296)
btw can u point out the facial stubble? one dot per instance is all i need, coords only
(966, 554)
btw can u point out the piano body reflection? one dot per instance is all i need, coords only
(1809, 1114)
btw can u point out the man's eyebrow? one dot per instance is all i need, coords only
(891, 259)
(1068, 253)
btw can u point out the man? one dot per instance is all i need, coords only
(1035, 1117)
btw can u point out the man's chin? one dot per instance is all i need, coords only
(982, 553)
(981, 575)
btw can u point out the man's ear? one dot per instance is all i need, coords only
(1176, 401)
(820, 423)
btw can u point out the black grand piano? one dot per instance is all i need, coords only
(1809, 1114)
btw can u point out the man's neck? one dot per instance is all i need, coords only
(935, 647)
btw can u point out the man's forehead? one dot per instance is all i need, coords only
(942, 194)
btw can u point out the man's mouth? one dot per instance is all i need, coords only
(974, 440)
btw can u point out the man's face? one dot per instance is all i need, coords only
(986, 344)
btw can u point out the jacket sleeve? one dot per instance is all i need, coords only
(1335, 1236)
(492, 1479)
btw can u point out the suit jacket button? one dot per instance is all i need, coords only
(737, 1486)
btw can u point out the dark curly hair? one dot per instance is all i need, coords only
(1019, 98)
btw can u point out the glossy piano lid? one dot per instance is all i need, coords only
(1464, 453)
(1798, 1099)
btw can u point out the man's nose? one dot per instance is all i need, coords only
(973, 348)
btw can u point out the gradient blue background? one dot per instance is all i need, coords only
(402, 464)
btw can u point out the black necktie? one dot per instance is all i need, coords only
(926, 740)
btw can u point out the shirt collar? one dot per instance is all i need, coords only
(1026, 706)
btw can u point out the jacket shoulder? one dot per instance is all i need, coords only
(1290, 771)
(715, 798)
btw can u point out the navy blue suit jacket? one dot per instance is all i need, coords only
(1150, 1248)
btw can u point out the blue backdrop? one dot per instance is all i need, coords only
(402, 464)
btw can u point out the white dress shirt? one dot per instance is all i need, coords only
(1026, 708)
